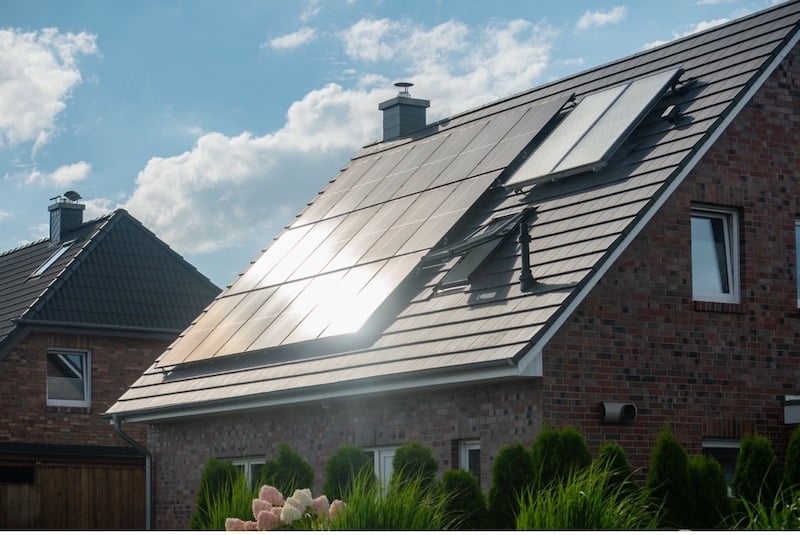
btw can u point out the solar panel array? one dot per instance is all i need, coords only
(592, 131)
(355, 244)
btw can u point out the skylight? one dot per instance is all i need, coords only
(53, 257)
(591, 133)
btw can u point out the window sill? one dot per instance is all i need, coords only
(726, 308)
(69, 410)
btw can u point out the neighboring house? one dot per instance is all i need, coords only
(614, 251)
(82, 314)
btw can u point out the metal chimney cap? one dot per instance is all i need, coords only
(403, 88)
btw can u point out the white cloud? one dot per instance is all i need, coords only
(71, 174)
(594, 19)
(293, 40)
(39, 70)
(310, 10)
(699, 27)
(233, 190)
(64, 176)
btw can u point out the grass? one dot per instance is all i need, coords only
(235, 501)
(587, 500)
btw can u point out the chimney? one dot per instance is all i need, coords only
(65, 215)
(402, 114)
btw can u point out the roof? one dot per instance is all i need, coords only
(112, 275)
(400, 275)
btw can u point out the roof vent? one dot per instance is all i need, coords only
(403, 114)
(65, 215)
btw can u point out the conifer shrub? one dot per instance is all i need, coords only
(791, 471)
(216, 481)
(668, 477)
(512, 474)
(757, 477)
(414, 460)
(466, 505)
(708, 504)
(342, 467)
(287, 472)
(611, 457)
(558, 453)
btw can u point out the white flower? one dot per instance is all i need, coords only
(304, 497)
(290, 513)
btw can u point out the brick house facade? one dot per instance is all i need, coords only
(616, 317)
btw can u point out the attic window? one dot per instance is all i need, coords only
(590, 134)
(474, 250)
(68, 375)
(53, 257)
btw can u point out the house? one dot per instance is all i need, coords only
(82, 314)
(614, 251)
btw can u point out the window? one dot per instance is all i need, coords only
(715, 256)
(725, 451)
(68, 374)
(53, 257)
(797, 258)
(251, 468)
(469, 453)
(382, 459)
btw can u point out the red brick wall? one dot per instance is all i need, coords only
(640, 337)
(499, 414)
(116, 364)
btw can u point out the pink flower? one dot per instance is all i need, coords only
(270, 494)
(320, 505)
(234, 524)
(250, 525)
(268, 520)
(336, 508)
(260, 505)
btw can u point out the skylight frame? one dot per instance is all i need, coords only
(52, 259)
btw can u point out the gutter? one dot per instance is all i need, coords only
(148, 470)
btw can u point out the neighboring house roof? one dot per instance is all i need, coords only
(405, 271)
(106, 275)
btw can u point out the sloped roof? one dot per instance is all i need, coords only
(398, 202)
(113, 275)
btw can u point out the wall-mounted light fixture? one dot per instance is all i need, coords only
(615, 412)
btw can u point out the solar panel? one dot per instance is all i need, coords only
(587, 137)
(328, 273)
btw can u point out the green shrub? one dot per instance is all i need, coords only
(342, 467)
(512, 474)
(587, 499)
(558, 453)
(708, 504)
(465, 506)
(612, 458)
(414, 505)
(217, 481)
(791, 471)
(668, 477)
(413, 460)
(756, 478)
(287, 472)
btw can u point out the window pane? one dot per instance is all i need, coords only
(66, 376)
(474, 462)
(710, 256)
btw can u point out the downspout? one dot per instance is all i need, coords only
(148, 469)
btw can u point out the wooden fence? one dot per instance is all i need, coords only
(73, 494)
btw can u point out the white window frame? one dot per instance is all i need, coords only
(382, 459)
(713, 446)
(248, 464)
(730, 237)
(465, 447)
(86, 373)
(797, 258)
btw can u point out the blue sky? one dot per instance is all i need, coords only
(213, 123)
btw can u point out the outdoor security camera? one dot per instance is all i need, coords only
(618, 413)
